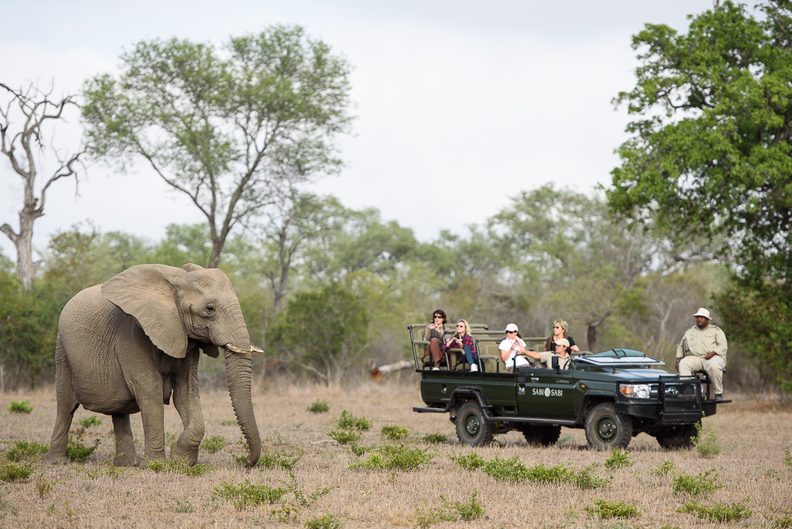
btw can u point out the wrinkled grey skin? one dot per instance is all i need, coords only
(130, 344)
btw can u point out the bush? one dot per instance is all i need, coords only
(347, 421)
(319, 406)
(247, 494)
(719, 512)
(394, 458)
(469, 510)
(213, 444)
(435, 438)
(20, 406)
(703, 483)
(663, 469)
(344, 437)
(87, 422)
(706, 442)
(76, 451)
(15, 471)
(326, 521)
(618, 458)
(278, 459)
(395, 433)
(470, 461)
(25, 450)
(612, 509)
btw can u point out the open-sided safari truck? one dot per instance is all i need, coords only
(613, 395)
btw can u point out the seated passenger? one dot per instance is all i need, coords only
(560, 332)
(562, 352)
(512, 348)
(434, 335)
(462, 339)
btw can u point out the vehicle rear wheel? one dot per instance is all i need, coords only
(472, 427)
(677, 437)
(542, 434)
(607, 429)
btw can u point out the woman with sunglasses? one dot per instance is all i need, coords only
(560, 333)
(434, 334)
(512, 348)
(462, 339)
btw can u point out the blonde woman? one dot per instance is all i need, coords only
(560, 332)
(462, 339)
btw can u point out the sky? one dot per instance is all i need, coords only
(470, 100)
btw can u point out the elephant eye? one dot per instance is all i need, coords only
(210, 309)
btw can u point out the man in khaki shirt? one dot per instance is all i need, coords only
(703, 348)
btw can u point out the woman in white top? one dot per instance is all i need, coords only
(512, 348)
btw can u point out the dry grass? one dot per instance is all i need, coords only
(324, 488)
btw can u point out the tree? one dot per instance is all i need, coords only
(710, 150)
(26, 120)
(228, 127)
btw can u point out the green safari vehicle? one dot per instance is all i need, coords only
(613, 395)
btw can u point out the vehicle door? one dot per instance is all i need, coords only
(548, 393)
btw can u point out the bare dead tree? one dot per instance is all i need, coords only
(23, 120)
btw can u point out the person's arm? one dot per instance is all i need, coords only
(572, 345)
(719, 345)
(680, 352)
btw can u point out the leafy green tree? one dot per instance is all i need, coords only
(229, 127)
(322, 333)
(183, 243)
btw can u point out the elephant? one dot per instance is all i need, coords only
(129, 344)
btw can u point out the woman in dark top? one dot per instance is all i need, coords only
(434, 335)
(559, 332)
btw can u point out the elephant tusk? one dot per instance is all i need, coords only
(235, 349)
(254, 349)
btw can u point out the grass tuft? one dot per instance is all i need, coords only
(347, 421)
(470, 461)
(788, 457)
(706, 442)
(87, 422)
(612, 509)
(619, 458)
(20, 406)
(326, 521)
(663, 469)
(395, 432)
(77, 451)
(278, 460)
(344, 437)
(177, 466)
(213, 444)
(25, 450)
(506, 469)
(247, 494)
(319, 406)
(15, 471)
(703, 483)
(396, 458)
(719, 512)
(468, 510)
(43, 486)
(435, 438)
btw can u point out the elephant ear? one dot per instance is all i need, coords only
(192, 267)
(148, 293)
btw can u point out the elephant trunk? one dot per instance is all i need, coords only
(239, 371)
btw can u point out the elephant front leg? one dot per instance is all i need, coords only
(187, 401)
(125, 456)
(153, 414)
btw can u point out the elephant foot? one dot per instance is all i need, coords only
(56, 459)
(185, 453)
(126, 460)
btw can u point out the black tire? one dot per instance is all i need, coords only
(541, 434)
(607, 429)
(677, 437)
(472, 427)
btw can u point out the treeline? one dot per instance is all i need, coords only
(327, 290)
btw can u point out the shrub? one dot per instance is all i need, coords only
(278, 459)
(703, 483)
(619, 458)
(25, 450)
(87, 422)
(663, 469)
(76, 451)
(706, 442)
(612, 509)
(213, 444)
(513, 470)
(177, 466)
(435, 438)
(319, 406)
(395, 433)
(719, 512)
(247, 494)
(326, 521)
(20, 406)
(425, 518)
(470, 461)
(469, 510)
(344, 437)
(510, 469)
(347, 421)
(395, 458)
(15, 471)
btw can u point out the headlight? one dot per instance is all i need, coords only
(635, 391)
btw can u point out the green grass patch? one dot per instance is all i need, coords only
(15, 471)
(513, 470)
(700, 484)
(77, 451)
(344, 437)
(177, 466)
(246, 494)
(397, 458)
(619, 458)
(450, 511)
(213, 444)
(719, 512)
(358, 450)
(20, 406)
(21, 450)
(470, 461)
(435, 438)
(468, 510)
(279, 459)
(612, 509)
(706, 442)
(783, 522)
(347, 421)
(319, 406)
(326, 521)
(395, 432)
(87, 422)
(506, 469)
(663, 469)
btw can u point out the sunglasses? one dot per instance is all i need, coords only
(510, 332)
(460, 326)
(556, 326)
(436, 316)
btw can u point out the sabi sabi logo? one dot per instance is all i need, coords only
(547, 392)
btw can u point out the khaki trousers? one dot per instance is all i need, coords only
(714, 367)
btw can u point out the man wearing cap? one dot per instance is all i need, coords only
(703, 348)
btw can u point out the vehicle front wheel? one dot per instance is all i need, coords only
(677, 437)
(542, 434)
(607, 429)
(472, 427)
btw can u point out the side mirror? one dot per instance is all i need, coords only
(554, 362)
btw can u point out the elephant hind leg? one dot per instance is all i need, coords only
(125, 455)
(66, 406)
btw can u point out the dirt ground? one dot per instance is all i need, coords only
(753, 469)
